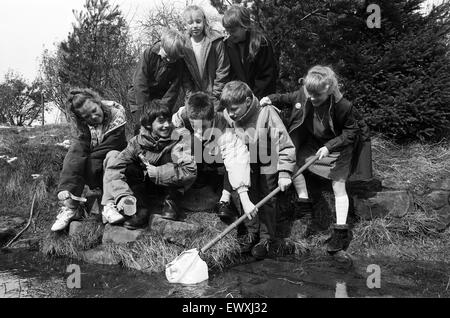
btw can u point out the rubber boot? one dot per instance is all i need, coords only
(139, 220)
(225, 212)
(340, 238)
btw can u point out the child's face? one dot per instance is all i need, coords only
(165, 57)
(91, 113)
(161, 127)
(236, 34)
(195, 24)
(236, 111)
(318, 97)
(204, 124)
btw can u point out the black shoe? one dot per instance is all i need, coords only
(247, 241)
(340, 239)
(139, 220)
(170, 210)
(225, 212)
(261, 250)
(302, 207)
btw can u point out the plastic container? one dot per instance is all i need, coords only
(129, 206)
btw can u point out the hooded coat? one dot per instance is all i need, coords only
(174, 166)
(212, 75)
(83, 163)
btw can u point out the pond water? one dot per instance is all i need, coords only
(29, 274)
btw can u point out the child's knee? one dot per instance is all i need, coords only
(111, 155)
(339, 188)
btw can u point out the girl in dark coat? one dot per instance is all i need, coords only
(324, 123)
(250, 52)
(101, 128)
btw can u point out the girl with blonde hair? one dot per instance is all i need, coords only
(326, 124)
(204, 55)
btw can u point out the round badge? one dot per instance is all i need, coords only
(298, 105)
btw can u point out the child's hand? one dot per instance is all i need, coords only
(322, 152)
(265, 101)
(63, 195)
(284, 183)
(151, 169)
(249, 209)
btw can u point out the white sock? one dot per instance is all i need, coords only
(341, 204)
(300, 187)
(225, 196)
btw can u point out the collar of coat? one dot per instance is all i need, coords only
(147, 141)
(308, 107)
(189, 55)
(250, 117)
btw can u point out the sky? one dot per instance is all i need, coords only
(27, 27)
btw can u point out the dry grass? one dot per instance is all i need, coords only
(152, 252)
(62, 244)
(414, 165)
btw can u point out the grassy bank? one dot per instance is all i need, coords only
(414, 166)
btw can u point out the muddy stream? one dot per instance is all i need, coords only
(29, 274)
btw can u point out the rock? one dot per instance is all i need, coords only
(31, 244)
(119, 234)
(173, 231)
(394, 203)
(443, 218)
(95, 209)
(395, 184)
(362, 187)
(75, 227)
(6, 234)
(199, 199)
(18, 220)
(98, 256)
(441, 185)
(438, 199)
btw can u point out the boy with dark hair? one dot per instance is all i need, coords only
(168, 167)
(272, 156)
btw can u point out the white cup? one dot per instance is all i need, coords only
(129, 206)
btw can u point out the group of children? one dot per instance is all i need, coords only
(228, 123)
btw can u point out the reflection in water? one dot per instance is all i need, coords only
(341, 290)
(25, 274)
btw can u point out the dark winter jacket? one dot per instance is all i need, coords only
(346, 123)
(216, 67)
(154, 78)
(174, 166)
(260, 74)
(83, 163)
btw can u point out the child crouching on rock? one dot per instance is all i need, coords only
(215, 145)
(272, 161)
(324, 123)
(100, 129)
(169, 169)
